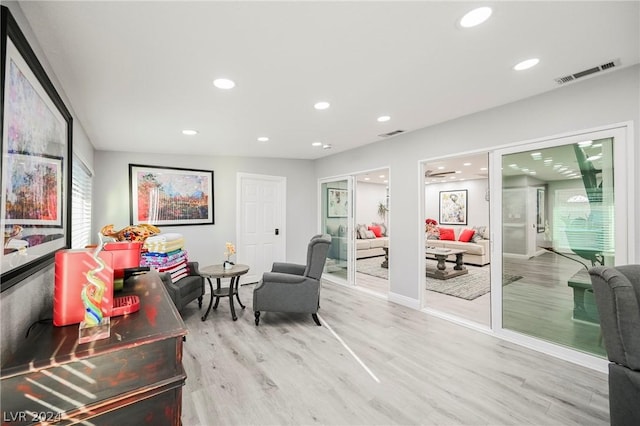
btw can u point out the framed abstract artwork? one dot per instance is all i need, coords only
(170, 196)
(453, 207)
(36, 161)
(337, 202)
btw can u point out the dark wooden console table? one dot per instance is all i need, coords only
(133, 377)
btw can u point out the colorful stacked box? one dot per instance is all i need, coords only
(165, 253)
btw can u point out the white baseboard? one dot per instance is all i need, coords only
(404, 300)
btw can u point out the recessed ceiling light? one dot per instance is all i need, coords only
(483, 168)
(224, 83)
(326, 146)
(384, 118)
(475, 17)
(440, 167)
(316, 144)
(367, 178)
(466, 164)
(458, 171)
(189, 132)
(525, 65)
(385, 181)
(263, 139)
(322, 105)
(381, 176)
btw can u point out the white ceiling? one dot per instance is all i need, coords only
(138, 73)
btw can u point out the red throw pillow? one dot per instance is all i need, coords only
(447, 234)
(466, 235)
(377, 231)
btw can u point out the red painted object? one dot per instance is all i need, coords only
(71, 268)
(126, 254)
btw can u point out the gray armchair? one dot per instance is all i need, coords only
(291, 287)
(186, 289)
(617, 294)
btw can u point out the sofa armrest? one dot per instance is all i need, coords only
(288, 268)
(193, 268)
(278, 277)
(485, 244)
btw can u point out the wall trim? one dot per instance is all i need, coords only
(404, 300)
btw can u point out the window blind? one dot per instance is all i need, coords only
(81, 186)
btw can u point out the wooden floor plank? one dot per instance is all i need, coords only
(288, 371)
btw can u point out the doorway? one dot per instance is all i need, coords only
(355, 212)
(563, 210)
(336, 219)
(372, 233)
(456, 228)
(260, 225)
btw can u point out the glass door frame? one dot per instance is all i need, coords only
(351, 255)
(425, 304)
(624, 214)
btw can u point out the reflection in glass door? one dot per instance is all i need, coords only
(336, 220)
(559, 214)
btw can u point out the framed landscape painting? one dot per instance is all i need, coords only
(36, 161)
(453, 207)
(170, 196)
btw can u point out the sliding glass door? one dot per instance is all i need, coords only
(336, 219)
(563, 210)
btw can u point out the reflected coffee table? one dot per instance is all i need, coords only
(218, 272)
(441, 272)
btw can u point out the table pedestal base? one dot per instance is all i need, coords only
(441, 272)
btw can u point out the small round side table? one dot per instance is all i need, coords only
(218, 272)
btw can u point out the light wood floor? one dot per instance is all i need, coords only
(539, 305)
(288, 371)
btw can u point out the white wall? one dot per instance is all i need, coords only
(477, 206)
(32, 298)
(205, 243)
(368, 196)
(602, 100)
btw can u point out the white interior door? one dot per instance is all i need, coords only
(260, 223)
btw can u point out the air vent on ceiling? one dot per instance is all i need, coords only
(603, 67)
(395, 132)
